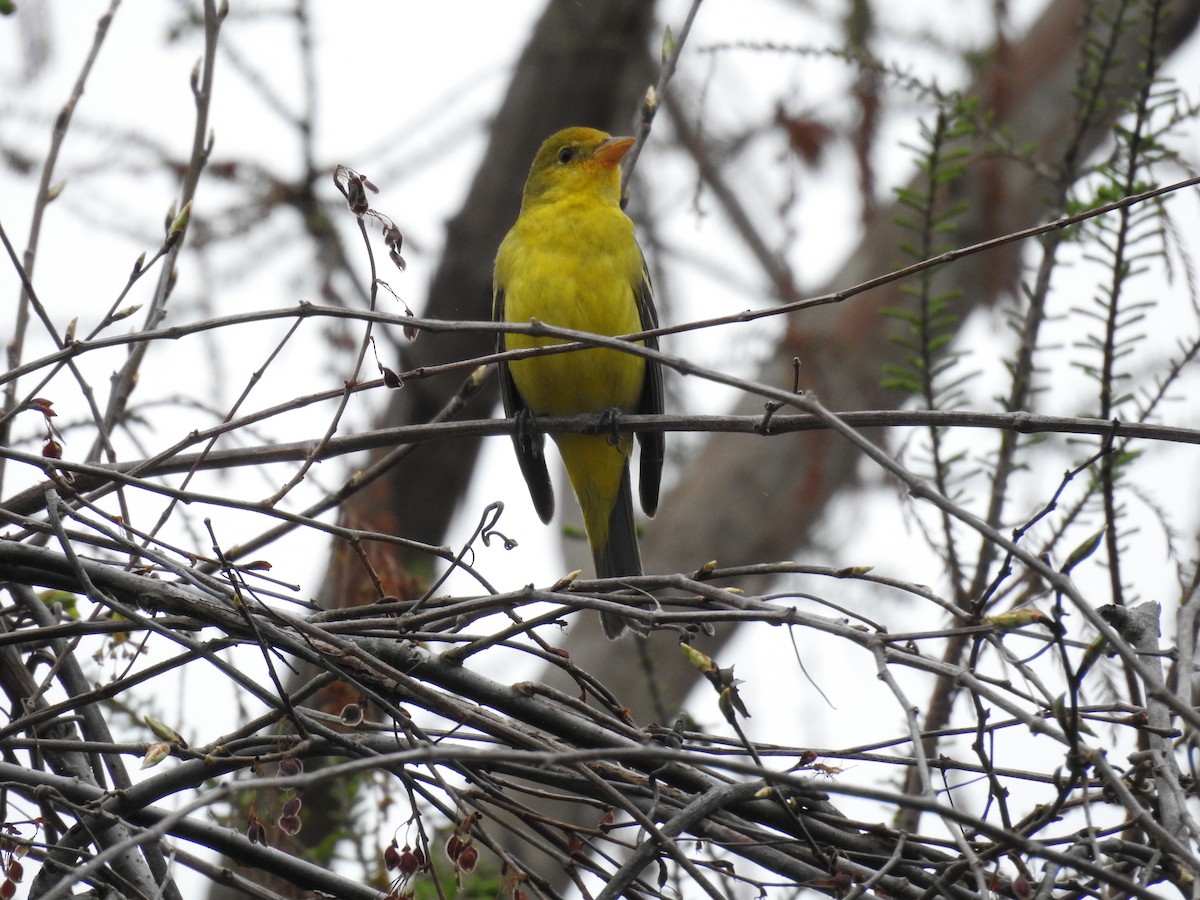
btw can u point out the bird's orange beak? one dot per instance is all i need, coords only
(611, 151)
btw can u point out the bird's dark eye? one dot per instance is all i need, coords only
(566, 154)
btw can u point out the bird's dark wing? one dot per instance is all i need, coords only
(527, 440)
(653, 443)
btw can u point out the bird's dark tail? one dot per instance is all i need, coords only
(619, 554)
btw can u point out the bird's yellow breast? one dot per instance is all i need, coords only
(577, 266)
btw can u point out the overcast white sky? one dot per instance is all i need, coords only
(404, 93)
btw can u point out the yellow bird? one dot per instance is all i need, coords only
(572, 260)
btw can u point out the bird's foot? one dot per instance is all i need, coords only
(608, 423)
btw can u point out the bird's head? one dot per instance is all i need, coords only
(577, 162)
